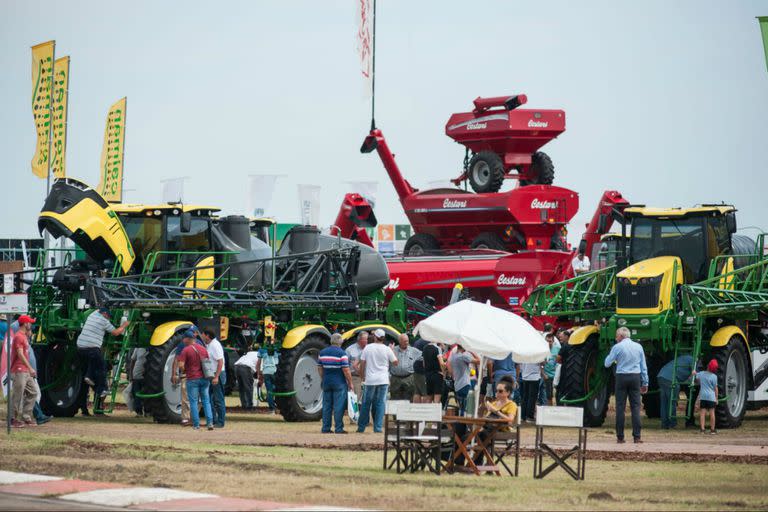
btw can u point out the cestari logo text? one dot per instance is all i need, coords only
(537, 124)
(394, 284)
(543, 205)
(453, 203)
(477, 126)
(511, 280)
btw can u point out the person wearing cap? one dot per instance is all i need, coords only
(374, 367)
(182, 379)
(89, 344)
(190, 363)
(24, 388)
(333, 366)
(266, 368)
(708, 395)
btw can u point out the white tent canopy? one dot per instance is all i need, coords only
(485, 330)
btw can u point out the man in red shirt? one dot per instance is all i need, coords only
(25, 390)
(190, 363)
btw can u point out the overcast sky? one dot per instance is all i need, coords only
(666, 102)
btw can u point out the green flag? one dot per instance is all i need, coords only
(764, 30)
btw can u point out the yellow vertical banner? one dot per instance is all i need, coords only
(60, 101)
(111, 184)
(42, 88)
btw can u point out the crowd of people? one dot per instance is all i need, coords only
(371, 370)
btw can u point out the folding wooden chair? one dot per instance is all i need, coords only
(558, 416)
(392, 432)
(430, 441)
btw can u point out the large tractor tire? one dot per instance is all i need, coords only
(486, 172)
(165, 408)
(488, 241)
(421, 244)
(61, 379)
(578, 374)
(299, 394)
(542, 169)
(652, 399)
(732, 383)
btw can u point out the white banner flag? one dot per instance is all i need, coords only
(260, 190)
(365, 42)
(367, 189)
(309, 204)
(173, 190)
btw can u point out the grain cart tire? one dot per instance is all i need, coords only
(732, 382)
(542, 169)
(421, 244)
(61, 379)
(488, 241)
(652, 399)
(486, 172)
(582, 363)
(165, 408)
(297, 371)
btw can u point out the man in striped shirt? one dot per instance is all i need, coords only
(333, 366)
(89, 349)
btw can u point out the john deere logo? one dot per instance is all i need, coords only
(452, 203)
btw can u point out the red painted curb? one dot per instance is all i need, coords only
(56, 487)
(219, 503)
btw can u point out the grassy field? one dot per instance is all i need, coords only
(216, 462)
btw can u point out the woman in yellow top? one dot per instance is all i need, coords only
(503, 407)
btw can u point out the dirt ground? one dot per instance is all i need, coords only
(258, 455)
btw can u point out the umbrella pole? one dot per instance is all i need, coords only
(479, 385)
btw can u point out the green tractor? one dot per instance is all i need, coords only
(167, 266)
(684, 283)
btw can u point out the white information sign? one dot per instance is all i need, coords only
(11, 303)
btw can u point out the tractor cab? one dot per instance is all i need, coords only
(668, 247)
(165, 236)
(606, 253)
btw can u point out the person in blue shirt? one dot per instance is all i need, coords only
(669, 387)
(269, 357)
(631, 380)
(708, 396)
(333, 366)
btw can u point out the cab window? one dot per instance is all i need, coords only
(197, 240)
(146, 236)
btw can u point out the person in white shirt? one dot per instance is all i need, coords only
(580, 263)
(216, 352)
(353, 353)
(374, 367)
(245, 371)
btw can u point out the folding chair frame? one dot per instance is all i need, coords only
(560, 459)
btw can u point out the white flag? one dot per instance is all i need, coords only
(173, 190)
(367, 189)
(309, 204)
(365, 42)
(260, 190)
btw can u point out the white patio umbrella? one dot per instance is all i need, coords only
(487, 331)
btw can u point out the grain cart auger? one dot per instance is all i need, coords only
(685, 284)
(168, 266)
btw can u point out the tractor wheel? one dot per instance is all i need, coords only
(165, 408)
(297, 372)
(578, 375)
(732, 380)
(61, 379)
(488, 241)
(486, 172)
(542, 169)
(652, 399)
(421, 244)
